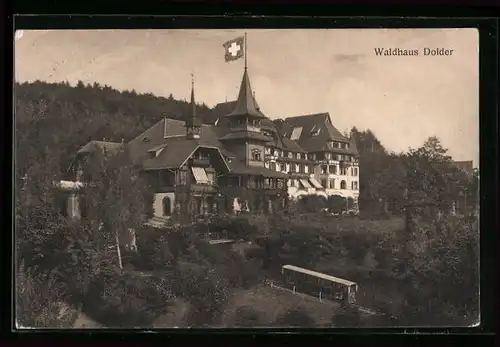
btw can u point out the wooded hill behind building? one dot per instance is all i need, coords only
(233, 144)
(198, 168)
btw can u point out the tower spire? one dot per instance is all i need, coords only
(193, 103)
(193, 124)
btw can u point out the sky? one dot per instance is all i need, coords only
(402, 99)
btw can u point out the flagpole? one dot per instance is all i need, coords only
(245, 50)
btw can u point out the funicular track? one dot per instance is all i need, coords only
(370, 311)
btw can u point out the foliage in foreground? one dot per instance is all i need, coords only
(127, 299)
(40, 301)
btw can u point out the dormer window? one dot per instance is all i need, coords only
(155, 151)
(313, 156)
(290, 155)
(315, 130)
(296, 133)
(339, 144)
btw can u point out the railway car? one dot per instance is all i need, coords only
(319, 284)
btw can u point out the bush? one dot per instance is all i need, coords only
(204, 289)
(312, 203)
(40, 301)
(127, 300)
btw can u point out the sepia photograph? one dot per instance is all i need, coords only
(246, 178)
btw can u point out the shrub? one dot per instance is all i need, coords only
(40, 301)
(204, 289)
(128, 300)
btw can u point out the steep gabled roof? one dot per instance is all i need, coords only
(171, 132)
(317, 131)
(291, 145)
(176, 152)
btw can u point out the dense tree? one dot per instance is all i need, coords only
(64, 118)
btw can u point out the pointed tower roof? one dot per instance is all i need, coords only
(246, 105)
(192, 119)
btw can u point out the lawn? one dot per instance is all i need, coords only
(270, 303)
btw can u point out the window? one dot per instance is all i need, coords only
(306, 168)
(333, 169)
(343, 185)
(314, 156)
(306, 157)
(355, 185)
(211, 177)
(182, 177)
(290, 155)
(297, 167)
(332, 183)
(324, 170)
(256, 155)
(167, 206)
(296, 133)
(283, 167)
(355, 171)
(339, 144)
(315, 130)
(298, 155)
(268, 150)
(328, 156)
(311, 168)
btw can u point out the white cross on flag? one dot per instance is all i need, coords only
(234, 49)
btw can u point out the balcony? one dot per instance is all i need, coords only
(271, 157)
(200, 162)
(197, 188)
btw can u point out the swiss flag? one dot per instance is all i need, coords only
(234, 49)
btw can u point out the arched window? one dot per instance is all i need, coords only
(167, 206)
(343, 185)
